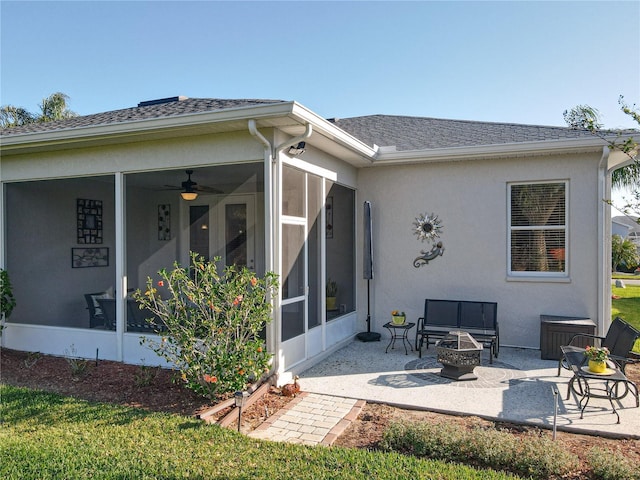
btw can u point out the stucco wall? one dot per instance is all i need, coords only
(146, 255)
(470, 198)
(134, 156)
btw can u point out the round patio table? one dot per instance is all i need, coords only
(399, 332)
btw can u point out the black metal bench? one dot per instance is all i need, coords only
(443, 316)
(138, 320)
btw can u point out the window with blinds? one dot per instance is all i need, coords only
(538, 228)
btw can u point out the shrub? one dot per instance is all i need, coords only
(623, 254)
(211, 324)
(532, 455)
(611, 465)
(77, 365)
(7, 300)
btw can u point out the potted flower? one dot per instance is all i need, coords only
(331, 292)
(597, 358)
(398, 318)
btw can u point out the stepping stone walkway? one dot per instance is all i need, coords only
(310, 419)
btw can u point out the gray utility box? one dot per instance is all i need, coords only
(556, 331)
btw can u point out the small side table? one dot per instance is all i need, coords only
(399, 332)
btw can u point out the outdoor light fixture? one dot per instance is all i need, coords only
(297, 149)
(240, 399)
(189, 192)
(188, 196)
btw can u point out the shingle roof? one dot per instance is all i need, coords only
(403, 132)
(628, 220)
(419, 133)
(160, 110)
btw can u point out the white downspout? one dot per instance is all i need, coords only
(268, 198)
(272, 342)
(294, 141)
(604, 244)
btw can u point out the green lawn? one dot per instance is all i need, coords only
(47, 436)
(627, 307)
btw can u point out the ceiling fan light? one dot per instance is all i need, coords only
(188, 196)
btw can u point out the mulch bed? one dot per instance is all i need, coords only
(150, 388)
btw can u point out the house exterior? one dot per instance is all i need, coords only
(93, 205)
(624, 226)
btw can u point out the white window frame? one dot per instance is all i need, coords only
(533, 275)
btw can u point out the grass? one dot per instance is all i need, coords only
(627, 307)
(48, 436)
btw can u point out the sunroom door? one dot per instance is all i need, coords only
(224, 227)
(293, 262)
(301, 311)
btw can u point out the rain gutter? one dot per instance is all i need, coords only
(134, 128)
(386, 157)
(332, 132)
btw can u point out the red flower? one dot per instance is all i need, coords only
(254, 281)
(160, 283)
(210, 378)
(237, 300)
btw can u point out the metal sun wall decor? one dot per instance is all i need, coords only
(428, 228)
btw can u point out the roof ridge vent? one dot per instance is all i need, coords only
(160, 101)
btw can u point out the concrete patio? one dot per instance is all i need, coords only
(517, 387)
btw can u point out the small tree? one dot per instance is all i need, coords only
(54, 107)
(212, 324)
(586, 117)
(623, 252)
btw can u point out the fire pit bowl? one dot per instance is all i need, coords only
(459, 353)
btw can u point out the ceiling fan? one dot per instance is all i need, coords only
(190, 189)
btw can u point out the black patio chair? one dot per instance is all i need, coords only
(619, 340)
(141, 319)
(96, 315)
(108, 306)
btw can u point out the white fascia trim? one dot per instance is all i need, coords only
(333, 132)
(487, 151)
(135, 127)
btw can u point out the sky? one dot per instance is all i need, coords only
(508, 61)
